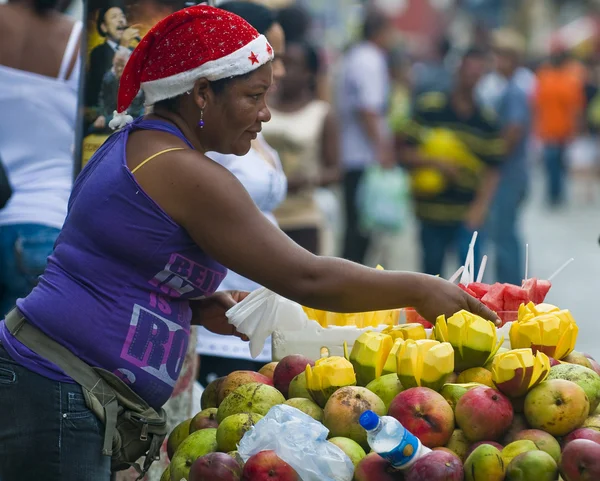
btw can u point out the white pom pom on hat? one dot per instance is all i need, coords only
(120, 120)
(199, 41)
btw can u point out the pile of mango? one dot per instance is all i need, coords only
(488, 413)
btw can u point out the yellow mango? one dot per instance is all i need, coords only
(327, 376)
(369, 355)
(424, 363)
(544, 328)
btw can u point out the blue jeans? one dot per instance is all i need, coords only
(24, 249)
(504, 231)
(554, 159)
(437, 240)
(46, 431)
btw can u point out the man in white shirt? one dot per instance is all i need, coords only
(362, 102)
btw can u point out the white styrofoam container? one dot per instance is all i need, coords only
(310, 340)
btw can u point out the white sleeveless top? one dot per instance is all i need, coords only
(267, 185)
(297, 138)
(37, 140)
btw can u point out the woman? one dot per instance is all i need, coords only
(261, 174)
(39, 48)
(303, 130)
(152, 224)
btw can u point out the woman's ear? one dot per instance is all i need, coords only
(201, 92)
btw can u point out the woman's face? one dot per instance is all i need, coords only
(297, 75)
(233, 117)
(276, 38)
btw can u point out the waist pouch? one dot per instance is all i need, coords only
(132, 428)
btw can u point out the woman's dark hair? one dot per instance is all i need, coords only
(44, 6)
(295, 22)
(311, 56)
(217, 86)
(259, 16)
(375, 21)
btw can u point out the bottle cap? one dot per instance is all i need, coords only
(369, 420)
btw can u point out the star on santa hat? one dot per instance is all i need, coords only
(189, 44)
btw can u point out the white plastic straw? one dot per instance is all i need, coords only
(560, 269)
(482, 269)
(467, 275)
(456, 274)
(526, 261)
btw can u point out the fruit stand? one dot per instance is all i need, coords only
(505, 402)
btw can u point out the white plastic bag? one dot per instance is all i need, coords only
(301, 442)
(261, 313)
(383, 200)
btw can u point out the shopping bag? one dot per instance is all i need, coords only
(261, 313)
(383, 200)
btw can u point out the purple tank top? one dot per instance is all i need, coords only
(117, 287)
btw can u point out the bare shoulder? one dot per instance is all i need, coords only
(181, 180)
(31, 42)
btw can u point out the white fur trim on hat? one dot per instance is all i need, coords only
(244, 60)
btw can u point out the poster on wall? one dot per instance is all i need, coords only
(114, 28)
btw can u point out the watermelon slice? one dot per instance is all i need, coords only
(468, 290)
(537, 289)
(514, 296)
(530, 285)
(494, 298)
(479, 289)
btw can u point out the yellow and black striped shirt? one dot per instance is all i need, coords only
(475, 144)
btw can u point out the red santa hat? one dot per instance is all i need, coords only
(196, 42)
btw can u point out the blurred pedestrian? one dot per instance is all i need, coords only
(583, 153)
(514, 114)
(362, 103)
(39, 82)
(303, 130)
(559, 101)
(453, 148)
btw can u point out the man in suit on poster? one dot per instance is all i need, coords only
(112, 25)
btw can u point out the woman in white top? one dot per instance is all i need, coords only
(303, 130)
(39, 78)
(261, 174)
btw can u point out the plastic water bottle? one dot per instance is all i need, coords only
(388, 438)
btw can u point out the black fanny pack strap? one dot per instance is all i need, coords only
(72, 366)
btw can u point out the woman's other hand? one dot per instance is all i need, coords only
(440, 296)
(210, 312)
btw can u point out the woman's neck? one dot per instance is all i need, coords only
(294, 101)
(182, 125)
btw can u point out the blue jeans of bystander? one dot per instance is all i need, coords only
(438, 239)
(24, 249)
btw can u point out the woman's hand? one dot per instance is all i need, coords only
(210, 312)
(442, 297)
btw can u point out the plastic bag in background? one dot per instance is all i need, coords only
(301, 442)
(383, 200)
(261, 313)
